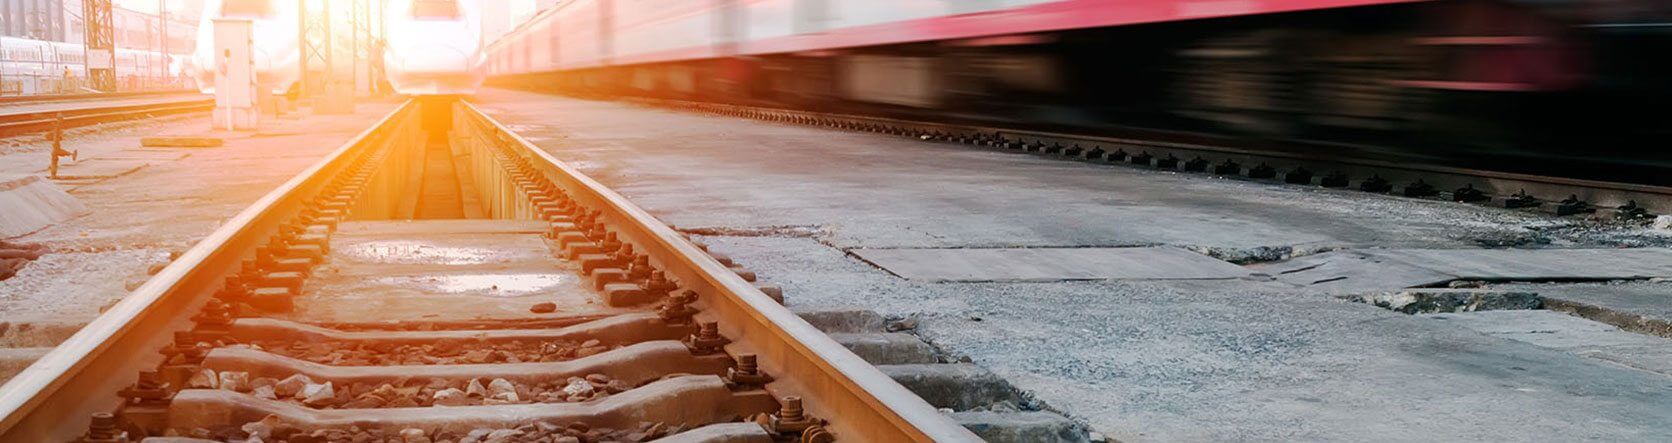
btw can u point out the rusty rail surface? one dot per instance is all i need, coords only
(714, 349)
(53, 399)
(91, 113)
(862, 403)
(1527, 190)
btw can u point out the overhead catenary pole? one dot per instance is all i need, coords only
(315, 33)
(101, 44)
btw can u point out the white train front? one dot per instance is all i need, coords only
(434, 47)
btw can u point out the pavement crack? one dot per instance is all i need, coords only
(791, 231)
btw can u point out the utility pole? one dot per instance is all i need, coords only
(101, 44)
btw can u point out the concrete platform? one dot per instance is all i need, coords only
(451, 270)
(1157, 360)
(1048, 264)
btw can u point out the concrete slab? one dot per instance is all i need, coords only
(153, 155)
(1048, 264)
(99, 168)
(1021, 427)
(1350, 271)
(1539, 264)
(1559, 330)
(181, 142)
(443, 270)
(29, 203)
(1644, 307)
(1385, 269)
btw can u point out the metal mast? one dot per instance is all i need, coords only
(362, 20)
(101, 44)
(315, 33)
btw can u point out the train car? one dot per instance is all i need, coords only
(1487, 73)
(278, 52)
(33, 67)
(433, 47)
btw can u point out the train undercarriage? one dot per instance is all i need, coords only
(1481, 81)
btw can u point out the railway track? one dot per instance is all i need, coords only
(1556, 195)
(76, 113)
(373, 297)
(52, 98)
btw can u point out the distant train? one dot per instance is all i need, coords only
(434, 47)
(31, 67)
(1489, 73)
(278, 52)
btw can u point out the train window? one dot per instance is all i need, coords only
(247, 8)
(442, 9)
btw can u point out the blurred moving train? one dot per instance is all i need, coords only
(1484, 73)
(278, 51)
(31, 67)
(434, 47)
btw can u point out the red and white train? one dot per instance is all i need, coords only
(1395, 69)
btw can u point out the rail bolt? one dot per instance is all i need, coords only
(1631, 211)
(707, 340)
(103, 429)
(1573, 205)
(747, 372)
(1118, 156)
(1197, 164)
(1376, 184)
(791, 419)
(624, 254)
(1299, 176)
(1521, 200)
(817, 434)
(214, 320)
(677, 310)
(1468, 194)
(1335, 179)
(184, 350)
(145, 404)
(1227, 167)
(1420, 189)
(640, 268)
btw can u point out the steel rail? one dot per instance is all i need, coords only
(48, 98)
(42, 121)
(862, 403)
(1656, 199)
(52, 399)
